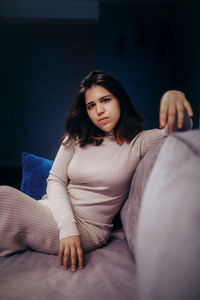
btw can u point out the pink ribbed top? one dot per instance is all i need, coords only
(91, 183)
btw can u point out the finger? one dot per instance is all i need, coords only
(60, 258)
(80, 257)
(180, 115)
(171, 117)
(73, 259)
(188, 108)
(163, 113)
(66, 257)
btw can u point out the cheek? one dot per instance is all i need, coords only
(117, 112)
(91, 117)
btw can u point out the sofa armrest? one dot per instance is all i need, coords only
(167, 246)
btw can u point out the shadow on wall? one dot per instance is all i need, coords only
(43, 62)
(152, 48)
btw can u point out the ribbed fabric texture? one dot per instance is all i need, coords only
(89, 185)
(26, 224)
(85, 189)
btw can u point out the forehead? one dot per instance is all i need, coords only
(95, 93)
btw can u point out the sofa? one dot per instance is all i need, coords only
(153, 252)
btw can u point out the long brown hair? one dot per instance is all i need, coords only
(78, 124)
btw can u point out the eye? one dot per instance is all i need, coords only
(90, 106)
(106, 100)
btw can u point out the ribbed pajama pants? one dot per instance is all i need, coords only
(27, 224)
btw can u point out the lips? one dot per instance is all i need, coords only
(103, 119)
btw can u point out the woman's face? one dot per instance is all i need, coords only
(102, 107)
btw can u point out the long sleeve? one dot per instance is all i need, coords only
(58, 199)
(149, 137)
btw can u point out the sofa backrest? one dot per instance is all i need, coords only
(130, 210)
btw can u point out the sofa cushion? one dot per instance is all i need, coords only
(35, 170)
(109, 273)
(130, 210)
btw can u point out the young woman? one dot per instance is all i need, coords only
(91, 174)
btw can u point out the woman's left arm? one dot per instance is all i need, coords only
(172, 108)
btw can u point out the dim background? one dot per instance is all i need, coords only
(47, 47)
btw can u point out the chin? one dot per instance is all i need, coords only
(107, 129)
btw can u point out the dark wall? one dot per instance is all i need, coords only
(152, 48)
(137, 49)
(42, 64)
(186, 73)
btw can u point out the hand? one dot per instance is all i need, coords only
(71, 246)
(173, 103)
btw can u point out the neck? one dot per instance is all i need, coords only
(109, 133)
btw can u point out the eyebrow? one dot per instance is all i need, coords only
(99, 99)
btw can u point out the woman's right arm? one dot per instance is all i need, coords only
(61, 208)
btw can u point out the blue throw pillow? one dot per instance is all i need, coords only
(35, 171)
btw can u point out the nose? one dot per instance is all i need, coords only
(99, 108)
